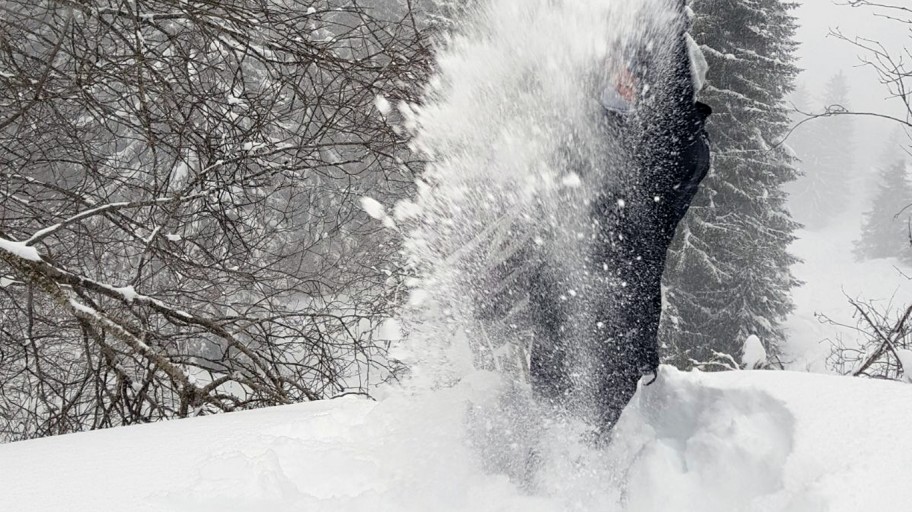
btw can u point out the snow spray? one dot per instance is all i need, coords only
(513, 128)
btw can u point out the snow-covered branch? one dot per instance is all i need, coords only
(100, 210)
(884, 353)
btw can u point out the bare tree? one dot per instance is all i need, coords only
(886, 344)
(180, 230)
(886, 347)
(893, 67)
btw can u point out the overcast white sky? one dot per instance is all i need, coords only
(822, 56)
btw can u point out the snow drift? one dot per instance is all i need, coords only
(740, 441)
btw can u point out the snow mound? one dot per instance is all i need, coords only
(740, 441)
(702, 447)
(753, 355)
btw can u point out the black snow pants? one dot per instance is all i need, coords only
(633, 230)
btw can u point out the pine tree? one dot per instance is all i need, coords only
(885, 232)
(825, 150)
(728, 274)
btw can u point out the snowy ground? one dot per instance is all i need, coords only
(832, 275)
(740, 441)
(758, 441)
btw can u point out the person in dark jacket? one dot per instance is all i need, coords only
(610, 325)
(663, 127)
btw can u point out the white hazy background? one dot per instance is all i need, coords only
(830, 271)
(822, 56)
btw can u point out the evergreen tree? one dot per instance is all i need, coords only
(728, 274)
(825, 150)
(885, 232)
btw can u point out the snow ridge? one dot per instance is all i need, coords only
(750, 441)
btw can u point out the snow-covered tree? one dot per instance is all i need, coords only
(181, 229)
(886, 228)
(728, 274)
(825, 150)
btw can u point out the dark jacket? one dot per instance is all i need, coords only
(610, 323)
(667, 158)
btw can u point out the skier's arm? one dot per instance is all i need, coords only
(690, 143)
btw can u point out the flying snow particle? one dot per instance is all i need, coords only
(373, 208)
(571, 180)
(417, 297)
(383, 105)
(405, 210)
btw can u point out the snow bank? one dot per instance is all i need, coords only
(751, 441)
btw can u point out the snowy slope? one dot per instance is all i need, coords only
(831, 275)
(771, 441)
